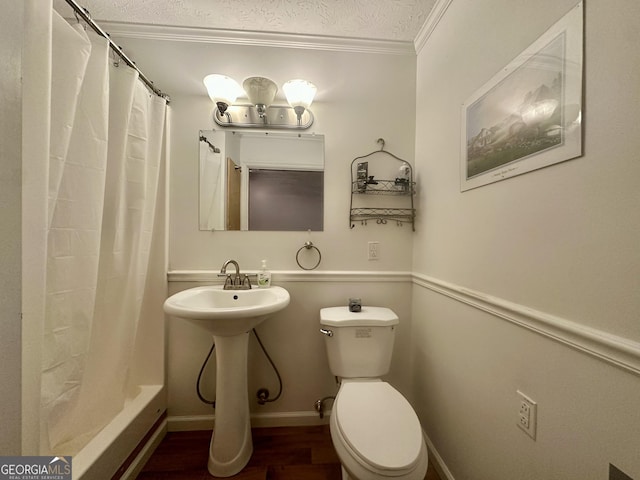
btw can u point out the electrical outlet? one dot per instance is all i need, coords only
(527, 414)
(373, 250)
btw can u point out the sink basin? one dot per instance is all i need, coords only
(226, 312)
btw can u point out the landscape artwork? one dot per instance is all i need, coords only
(529, 115)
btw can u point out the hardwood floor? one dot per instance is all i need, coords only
(282, 453)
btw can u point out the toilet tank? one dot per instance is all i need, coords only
(359, 344)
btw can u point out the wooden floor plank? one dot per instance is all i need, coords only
(279, 453)
(306, 472)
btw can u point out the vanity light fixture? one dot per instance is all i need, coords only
(261, 92)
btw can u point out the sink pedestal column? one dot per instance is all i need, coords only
(231, 445)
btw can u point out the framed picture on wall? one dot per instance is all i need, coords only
(529, 115)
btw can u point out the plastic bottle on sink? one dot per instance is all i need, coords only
(264, 276)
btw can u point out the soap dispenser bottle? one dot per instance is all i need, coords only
(264, 276)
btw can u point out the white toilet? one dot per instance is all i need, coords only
(374, 429)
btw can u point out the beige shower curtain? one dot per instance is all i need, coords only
(105, 153)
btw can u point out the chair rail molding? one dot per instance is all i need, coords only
(297, 276)
(619, 351)
(613, 349)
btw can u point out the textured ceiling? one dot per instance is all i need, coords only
(399, 20)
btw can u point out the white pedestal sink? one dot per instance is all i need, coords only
(229, 315)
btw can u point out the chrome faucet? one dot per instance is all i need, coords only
(237, 281)
(223, 270)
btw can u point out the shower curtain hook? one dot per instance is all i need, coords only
(115, 57)
(79, 21)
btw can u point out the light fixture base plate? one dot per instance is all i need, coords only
(276, 117)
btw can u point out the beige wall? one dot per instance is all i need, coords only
(293, 341)
(558, 246)
(530, 283)
(351, 123)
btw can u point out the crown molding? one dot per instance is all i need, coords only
(254, 38)
(431, 23)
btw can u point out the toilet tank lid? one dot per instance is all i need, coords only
(370, 316)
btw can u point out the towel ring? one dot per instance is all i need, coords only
(308, 246)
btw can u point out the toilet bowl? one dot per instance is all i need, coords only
(376, 433)
(374, 429)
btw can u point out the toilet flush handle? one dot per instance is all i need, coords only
(328, 333)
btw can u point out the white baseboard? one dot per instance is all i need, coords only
(186, 423)
(436, 460)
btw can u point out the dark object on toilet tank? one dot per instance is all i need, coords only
(355, 305)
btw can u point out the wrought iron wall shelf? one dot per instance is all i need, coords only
(383, 187)
(382, 215)
(363, 184)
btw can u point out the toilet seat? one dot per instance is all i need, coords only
(379, 426)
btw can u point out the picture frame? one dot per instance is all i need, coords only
(529, 115)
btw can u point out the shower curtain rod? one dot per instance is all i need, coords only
(211, 145)
(86, 16)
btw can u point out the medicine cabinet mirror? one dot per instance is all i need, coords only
(261, 181)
